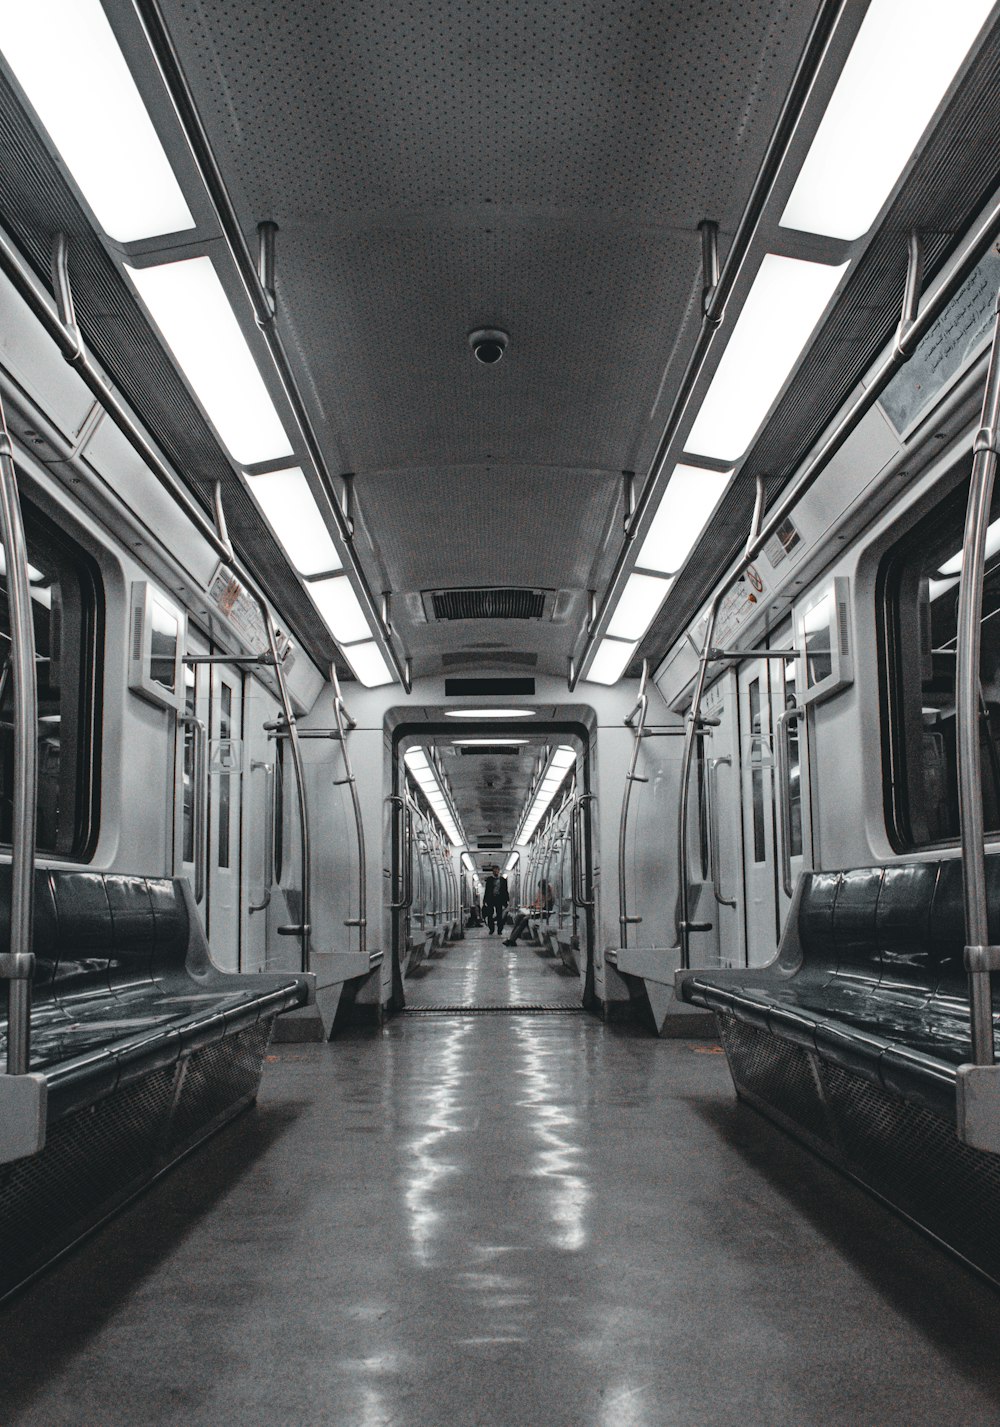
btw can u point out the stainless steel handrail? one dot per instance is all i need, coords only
(784, 770)
(715, 300)
(712, 786)
(17, 965)
(199, 801)
(343, 721)
(584, 902)
(260, 292)
(981, 958)
(303, 930)
(682, 920)
(399, 813)
(625, 919)
(269, 799)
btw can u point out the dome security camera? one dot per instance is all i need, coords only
(488, 345)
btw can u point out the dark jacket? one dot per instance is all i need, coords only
(496, 892)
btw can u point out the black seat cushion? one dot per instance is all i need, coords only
(124, 981)
(881, 987)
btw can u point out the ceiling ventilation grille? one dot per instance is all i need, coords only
(488, 604)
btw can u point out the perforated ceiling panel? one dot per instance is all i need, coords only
(437, 167)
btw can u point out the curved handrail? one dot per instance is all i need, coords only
(682, 921)
(344, 722)
(625, 920)
(981, 958)
(17, 966)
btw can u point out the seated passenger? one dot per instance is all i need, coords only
(544, 902)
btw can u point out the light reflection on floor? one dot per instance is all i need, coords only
(480, 971)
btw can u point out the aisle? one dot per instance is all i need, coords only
(480, 971)
(502, 1221)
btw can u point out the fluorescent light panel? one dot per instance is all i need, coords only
(872, 127)
(684, 510)
(368, 665)
(637, 606)
(489, 713)
(189, 305)
(290, 509)
(489, 742)
(341, 609)
(786, 301)
(610, 661)
(68, 62)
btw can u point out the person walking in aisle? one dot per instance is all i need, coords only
(495, 899)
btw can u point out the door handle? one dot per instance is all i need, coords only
(712, 786)
(269, 789)
(199, 793)
(784, 722)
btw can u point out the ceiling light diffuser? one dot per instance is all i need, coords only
(786, 301)
(637, 606)
(368, 665)
(489, 713)
(68, 62)
(290, 509)
(610, 661)
(871, 127)
(691, 495)
(489, 742)
(564, 756)
(341, 609)
(188, 304)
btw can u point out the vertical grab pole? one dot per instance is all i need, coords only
(642, 705)
(300, 781)
(682, 916)
(17, 965)
(980, 958)
(343, 721)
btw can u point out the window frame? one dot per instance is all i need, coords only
(89, 690)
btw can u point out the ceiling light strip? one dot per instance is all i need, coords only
(714, 309)
(543, 791)
(175, 82)
(67, 60)
(432, 785)
(871, 129)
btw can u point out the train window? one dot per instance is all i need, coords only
(68, 616)
(919, 611)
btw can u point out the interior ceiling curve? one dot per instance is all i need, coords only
(541, 169)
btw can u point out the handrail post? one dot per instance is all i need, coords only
(682, 914)
(980, 958)
(17, 965)
(642, 704)
(340, 714)
(300, 782)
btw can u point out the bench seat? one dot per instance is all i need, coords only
(124, 982)
(870, 976)
(140, 1043)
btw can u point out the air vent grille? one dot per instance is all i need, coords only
(488, 604)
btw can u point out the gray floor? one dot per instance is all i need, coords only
(513, 1220)
(480, 971)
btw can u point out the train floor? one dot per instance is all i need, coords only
(520, 1220)
(480, 971)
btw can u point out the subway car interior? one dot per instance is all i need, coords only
(499, 712)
